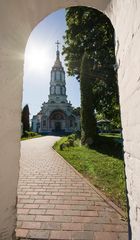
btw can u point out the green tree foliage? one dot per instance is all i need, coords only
(25, 118)
(76, 111)
(88, 121)
(91, 31)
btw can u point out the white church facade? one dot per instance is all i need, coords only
(56, 115)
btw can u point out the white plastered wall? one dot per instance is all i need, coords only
(125, 16)
(17, 20)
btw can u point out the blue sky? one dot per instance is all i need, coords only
(40, 55)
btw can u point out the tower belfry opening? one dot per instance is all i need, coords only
(56, 115)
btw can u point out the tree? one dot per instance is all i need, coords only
(76, 111)
(25, 118)
(88, 121)
(91, 31)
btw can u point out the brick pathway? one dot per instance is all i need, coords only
(54, 202)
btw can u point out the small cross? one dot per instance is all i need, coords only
(57, 43)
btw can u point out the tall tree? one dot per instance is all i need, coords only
(91, 31)
(25, 118)
(88, 121)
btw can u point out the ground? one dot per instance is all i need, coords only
(55, 202)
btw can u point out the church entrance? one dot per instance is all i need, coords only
(58, 127)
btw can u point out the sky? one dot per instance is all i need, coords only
(40, 55)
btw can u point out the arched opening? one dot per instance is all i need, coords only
(57, 121)
(22, 17)
(45, 73)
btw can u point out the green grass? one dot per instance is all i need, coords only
(103, 171)
(27, 138)
(112, 135)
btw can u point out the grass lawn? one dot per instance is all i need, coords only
(104, 171)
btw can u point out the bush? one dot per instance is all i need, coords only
(72, 137)
(29, 134)
(69, 142)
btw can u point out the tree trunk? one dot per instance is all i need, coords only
(88, 120)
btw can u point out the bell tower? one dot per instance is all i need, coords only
(57, 82)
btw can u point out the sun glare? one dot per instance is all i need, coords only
(37, 58)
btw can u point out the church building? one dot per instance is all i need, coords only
(56, 115)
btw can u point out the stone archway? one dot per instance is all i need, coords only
(17, 19)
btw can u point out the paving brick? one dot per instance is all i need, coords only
(32, 206)
(54, 202)
(21, 232)
(63, 235)
(36, 197)
(47, 206)
(26, 217)
(62, 219)
(31, 225)
(22, 211)
(123, 236)
(43, 218)
(79, 207)
(54, 212)
(38, 234)
(50, 197)
(71, 226)
(87, 235)
(71, 213)
(37, 211)
(23, 196)
(62, 206)
(26, 200)
(41, 201)
(93, 227)
(31, 193)
(115, 228)
(51, 226)
(105, 236)
(89, 213)
(81, 219)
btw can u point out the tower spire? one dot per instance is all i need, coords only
(57, 43)
(57, 52)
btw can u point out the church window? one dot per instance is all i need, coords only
(53, 76)
(57, 75)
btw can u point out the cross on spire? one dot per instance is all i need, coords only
(57, 43)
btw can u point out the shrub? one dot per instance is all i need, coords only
(29, 134)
